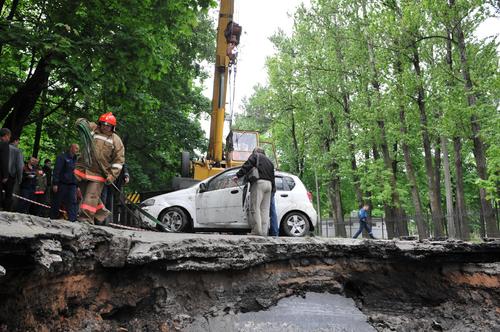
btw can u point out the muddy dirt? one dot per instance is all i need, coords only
(60, 276)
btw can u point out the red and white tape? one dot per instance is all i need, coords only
(34, 202)
(62, 211)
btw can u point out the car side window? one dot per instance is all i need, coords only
(224, 181)
(278, 180)
(289, 182)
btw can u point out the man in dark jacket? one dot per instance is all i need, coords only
(28, 185)
(260, 190)
(4, 162)
(16, 165)
(64, 184)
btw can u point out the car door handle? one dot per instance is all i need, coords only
(284, 195)
(235, 191)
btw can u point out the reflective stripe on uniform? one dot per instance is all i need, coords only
(99, 207)
(87, 207)
(103, 138)
(88, 176)
(117, 166)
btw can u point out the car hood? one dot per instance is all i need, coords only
(178, 194)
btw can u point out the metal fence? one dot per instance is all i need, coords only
(328, 227)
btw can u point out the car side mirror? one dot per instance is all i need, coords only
(203, 187)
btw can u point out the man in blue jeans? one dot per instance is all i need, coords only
(363, 222)
(274, 227)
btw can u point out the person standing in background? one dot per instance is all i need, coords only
(273, 217)
(40, 193)
(4, 162)
(16, 166)
(64, 184)
(28, 185)
(47, 169)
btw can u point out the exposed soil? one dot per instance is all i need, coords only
(62, 276)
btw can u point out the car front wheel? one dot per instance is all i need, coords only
(295, 224)
(173, 220)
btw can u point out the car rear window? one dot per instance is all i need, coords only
(290, 183)
(284, 183)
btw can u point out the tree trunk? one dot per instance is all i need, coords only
(10, 16)
(389, 212)
(347, 111)
(479, 148)
(39, 124)
(368, 194)
(423, 233)
(399, 229)
(334, 183)
(422, 230)
(299, 170)
(336, 200)
(394, 208)
(436, 212)
(20, 105)
(462, 218)
(437, 171)
(460, 222)
(450, 213)
(354, 166)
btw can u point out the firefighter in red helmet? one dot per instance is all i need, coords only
(104, 166)
(108, 118)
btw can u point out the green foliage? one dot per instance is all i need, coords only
(138, 59)
(338, 84)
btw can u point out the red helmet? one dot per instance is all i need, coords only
(108, 118)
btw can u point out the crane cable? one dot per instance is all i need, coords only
(232, 93)
(232, 83)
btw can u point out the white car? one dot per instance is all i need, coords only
(220, 204)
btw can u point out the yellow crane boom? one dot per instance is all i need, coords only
(239, 143)
(228, 34)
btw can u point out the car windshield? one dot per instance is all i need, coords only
(243, 141)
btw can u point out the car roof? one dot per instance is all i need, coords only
(276, 172)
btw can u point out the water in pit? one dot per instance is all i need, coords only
(316, 312)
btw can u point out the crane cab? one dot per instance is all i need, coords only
(239, 146)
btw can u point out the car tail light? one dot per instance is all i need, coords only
(310, 196)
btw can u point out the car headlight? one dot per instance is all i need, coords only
(148, 202)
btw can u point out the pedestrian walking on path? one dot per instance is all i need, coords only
(363, 222)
